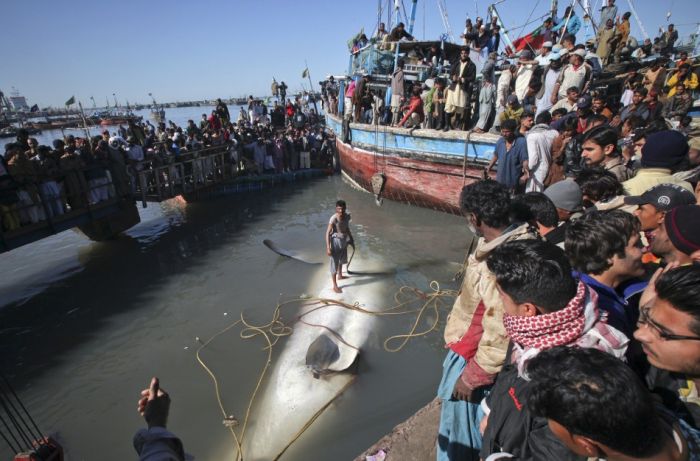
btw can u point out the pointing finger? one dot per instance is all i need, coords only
(153, 390)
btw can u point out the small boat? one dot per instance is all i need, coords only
(158, 114)
(11, 131)
(117, 118)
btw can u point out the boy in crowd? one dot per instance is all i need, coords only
(544, 307)
(599, 408)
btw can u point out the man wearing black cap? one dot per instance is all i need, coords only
(662, 154)
(678, 239)
(656, 202)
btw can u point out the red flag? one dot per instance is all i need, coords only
(533, 40)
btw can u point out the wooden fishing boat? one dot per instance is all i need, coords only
(427, 168)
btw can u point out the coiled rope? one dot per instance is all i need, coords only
(431, 301)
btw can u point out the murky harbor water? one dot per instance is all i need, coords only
(84, 325)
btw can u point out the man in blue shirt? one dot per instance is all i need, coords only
(605, 250)
(511, 155)
(571, 26)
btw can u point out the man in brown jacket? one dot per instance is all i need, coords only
(475, 333)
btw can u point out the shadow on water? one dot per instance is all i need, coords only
(116, 278)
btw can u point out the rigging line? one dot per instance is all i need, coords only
(403, 7)
(539, 18)
(528, 18)
(16, 448)
(14, 422)
(29, 416)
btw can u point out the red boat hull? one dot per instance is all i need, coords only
(424, 183)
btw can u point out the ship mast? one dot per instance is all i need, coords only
(636, 17)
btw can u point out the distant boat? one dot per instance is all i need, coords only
(158, 114)
(11, 131)
(116, 118)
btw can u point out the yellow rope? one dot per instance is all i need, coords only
(276, 329)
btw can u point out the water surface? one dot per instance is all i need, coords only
(85, 325)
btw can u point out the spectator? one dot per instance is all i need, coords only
(597, 406)
(669, 333)
(544, 307)
(600, 149)
(413, 112)
(503, 91)
(576, 73)
(513, 110)
(682, 75)
(526, 69)
(539, 149)
(567, 198)
(397, 91)
(538, 210)
(487, 94)
(655, 77)
(474, 332)
(550, 75)
(605, 250)
(511, 154)
(156, 443)
(637, 108)
(569, 102)
(663, 153)
(653, 204)
(458, 103)
(605, 36)
(679, 104)
(677, 240)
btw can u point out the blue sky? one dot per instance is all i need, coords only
(206, 49)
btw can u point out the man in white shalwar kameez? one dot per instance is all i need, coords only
(539, 151)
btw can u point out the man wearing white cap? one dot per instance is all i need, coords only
(576, 73)
(544, 56)
(549, 79)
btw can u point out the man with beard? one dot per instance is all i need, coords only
(599, 106)
(474, 332)
(670, 335)
(511, 154)
(459, 98)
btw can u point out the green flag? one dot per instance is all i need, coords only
(70, 101)
(305, 73)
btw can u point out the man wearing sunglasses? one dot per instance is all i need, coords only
(669, 331)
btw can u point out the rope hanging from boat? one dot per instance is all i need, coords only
(464, 163)
(432, 301)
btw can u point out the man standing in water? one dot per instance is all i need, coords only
(338, 237)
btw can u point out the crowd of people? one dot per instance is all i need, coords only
(652, 80)
(577, 306)
(39, 182)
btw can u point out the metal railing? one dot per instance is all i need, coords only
(47, 204)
